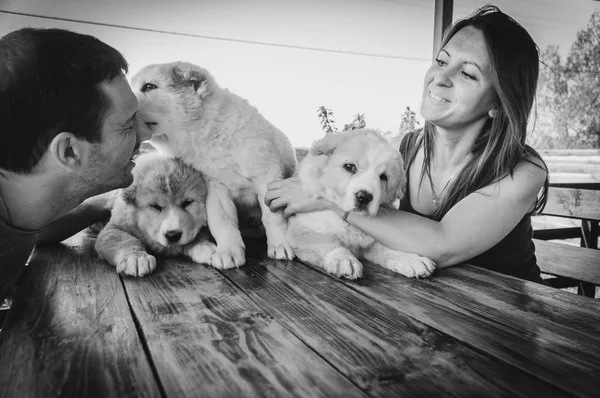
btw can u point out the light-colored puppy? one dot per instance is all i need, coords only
(359, 171)
(161, 212)
(222, 135)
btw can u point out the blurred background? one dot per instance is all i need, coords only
(313, 67)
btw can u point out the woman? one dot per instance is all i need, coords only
(472, 181)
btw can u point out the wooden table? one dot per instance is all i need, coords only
(281, 328)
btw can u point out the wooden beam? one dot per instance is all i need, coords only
(442, 18)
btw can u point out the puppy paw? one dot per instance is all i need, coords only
(412, 265)
(281, 252)
(341, 262)
(201, 252)
(229, 258)
(137, 263)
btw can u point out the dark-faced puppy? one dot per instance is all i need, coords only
(162, 212)
(359, 171)
(219, 133)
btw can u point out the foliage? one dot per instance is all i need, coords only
(569, 94)
(358, 122)
(408, 122)
(327, 122)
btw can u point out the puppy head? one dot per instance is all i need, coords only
(358, 170)
(171, 94)
(169, 199)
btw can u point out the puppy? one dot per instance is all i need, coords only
(359, 171)
(161, 212)
(222, 135)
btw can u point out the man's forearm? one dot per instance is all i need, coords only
(74, 221)
(90, 211)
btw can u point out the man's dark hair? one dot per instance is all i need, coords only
(50, 83)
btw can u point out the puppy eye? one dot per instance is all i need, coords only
(148, 87)
(350, 168)
(186, 203)
(155, 206)
(383, 177)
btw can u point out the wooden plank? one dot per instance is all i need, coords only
(573, 203)
(207, 338)
(555, 353)
(579, 184)
(549, 304)
(574, 262)
(384, 351)
(557, 233)
(69, 332)
(566, 308)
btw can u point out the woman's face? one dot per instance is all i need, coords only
(458, 91)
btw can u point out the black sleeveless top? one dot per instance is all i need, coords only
(514, 255)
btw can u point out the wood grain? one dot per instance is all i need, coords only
(70, 332)
(575, 203)
(559, 259)
(544, 348)
(207, 338)
(552, 304)
(384, 351)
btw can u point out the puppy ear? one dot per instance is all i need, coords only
(190, 78)
(198, 81)
(401, 190)
(129, 194)
(326, 146)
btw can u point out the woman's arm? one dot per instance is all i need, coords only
(472, 226)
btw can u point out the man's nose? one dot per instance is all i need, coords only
(143, 132)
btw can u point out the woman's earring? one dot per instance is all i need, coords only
(492, 113)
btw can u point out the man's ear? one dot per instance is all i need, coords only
(68, 151)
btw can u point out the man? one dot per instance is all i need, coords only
(68, 130)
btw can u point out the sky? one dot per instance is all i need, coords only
(288, 57)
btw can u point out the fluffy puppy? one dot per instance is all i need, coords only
(161, 212)
(222, 135)
(359, 171)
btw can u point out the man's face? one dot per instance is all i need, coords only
(110, 161)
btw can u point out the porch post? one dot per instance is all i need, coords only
(442, 18)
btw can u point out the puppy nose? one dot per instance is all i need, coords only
(173, 236)
(363, 197)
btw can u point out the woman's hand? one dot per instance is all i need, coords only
(289, 195)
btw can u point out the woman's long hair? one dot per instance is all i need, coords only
(514, 60)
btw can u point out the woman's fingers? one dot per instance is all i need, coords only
(270, 196)
(277, 204)
(275, 184)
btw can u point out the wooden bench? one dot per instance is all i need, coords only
(570, 263)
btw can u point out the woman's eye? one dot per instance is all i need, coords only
(468, 76)
(186, 203)
(156, 207)
(439, 62)
(148, 87)
(383, 177)
(350, 168)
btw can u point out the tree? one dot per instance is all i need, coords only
(583, 74)
(327, 122)
(358, 122)
(551, 121)
(408, 121)
(568, 96)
